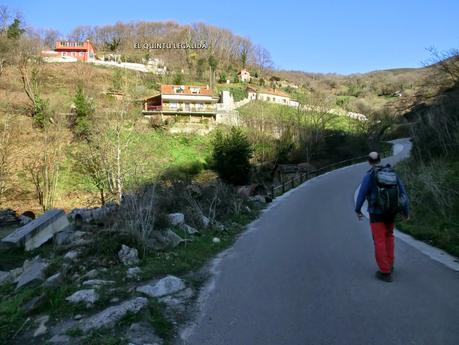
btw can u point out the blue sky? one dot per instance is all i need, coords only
(324, 36)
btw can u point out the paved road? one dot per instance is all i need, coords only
(304, 275)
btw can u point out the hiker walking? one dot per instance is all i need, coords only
(386, 197)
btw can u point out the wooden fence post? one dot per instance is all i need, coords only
(272, 193)
(283, 187)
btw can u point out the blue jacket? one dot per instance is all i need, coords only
(368, 191)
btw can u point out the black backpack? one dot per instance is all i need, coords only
(388, 198)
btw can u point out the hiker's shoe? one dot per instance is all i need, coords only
(386, 277)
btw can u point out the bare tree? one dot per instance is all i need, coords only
(447, 62)
(43, 168)
(5, 153)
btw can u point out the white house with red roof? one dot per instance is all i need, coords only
(182, 100)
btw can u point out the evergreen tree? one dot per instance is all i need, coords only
(231, 156)
(15, 31)
(84, 110)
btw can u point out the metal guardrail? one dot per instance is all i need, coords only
(305, 176)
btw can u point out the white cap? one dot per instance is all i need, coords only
(373, 155)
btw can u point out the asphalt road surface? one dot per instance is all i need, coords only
(303, 274)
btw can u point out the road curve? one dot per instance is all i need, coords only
(303, 274)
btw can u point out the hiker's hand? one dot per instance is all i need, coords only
(360, 215)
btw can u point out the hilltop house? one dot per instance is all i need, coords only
(271, 95)
(174, 100)
(68, 51)
(244, 76)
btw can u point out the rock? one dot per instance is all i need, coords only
(5, 277)
(114, 300)
(172, 239)
(33, 273)
(216, 240)
(166, 286)
(16, 272)
(205, 221)
(98, 282)
(78, 317)
(110, 316)
(87, 296)
(34, 234)
(258, 198)
(142, 333)
(53, 281)
(133, 272)
(178, 298)
(34, 304)
(190, 230)
(60, 339)
(128, 256)
(71, 256)
(176, 218)
(91, 274)
(42, 329)
(64, 237)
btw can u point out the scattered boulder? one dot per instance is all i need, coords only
(164, 239)
(141, 333)
(71, 256)
(88, 296)
(33, 273)
(258, 198)
(91, 274)
(42, 329)
(110, 316)
(205, 221)
(97, 282)
(5, 277)
(178, 300)
(165, 286)
(172, 239)
(176, 218)
(54, 280)
(216, 240)
(16, 272)
(190, 230)
(64, 237)
(128, 256)
(133, 272)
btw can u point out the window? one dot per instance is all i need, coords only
(173, 105)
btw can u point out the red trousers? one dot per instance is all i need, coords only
(383, 238)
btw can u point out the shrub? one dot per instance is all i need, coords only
(83, 112)
(231, 156)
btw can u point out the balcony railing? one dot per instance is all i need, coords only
(186, 109)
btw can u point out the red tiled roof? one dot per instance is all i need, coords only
(170, 90)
